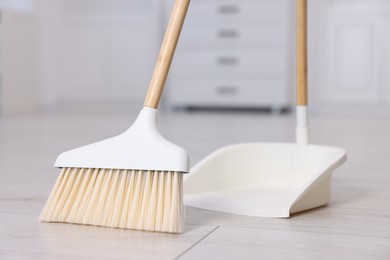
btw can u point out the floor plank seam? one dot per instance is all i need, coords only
(197, 242)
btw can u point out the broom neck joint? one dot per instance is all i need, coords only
(302, 128)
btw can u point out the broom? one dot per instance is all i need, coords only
(133, 180)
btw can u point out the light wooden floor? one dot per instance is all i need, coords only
(356, 224)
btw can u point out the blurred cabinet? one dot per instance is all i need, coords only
(234, 53)
(107, 48)
(353, 52)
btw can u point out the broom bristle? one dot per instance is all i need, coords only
(129, 199)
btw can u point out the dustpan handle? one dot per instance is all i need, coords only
(167, 51)
(302, 129)
(301, 52)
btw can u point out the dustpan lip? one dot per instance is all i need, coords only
(342, 152)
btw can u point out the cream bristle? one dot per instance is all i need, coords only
(129, 199)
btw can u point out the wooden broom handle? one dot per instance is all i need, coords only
(167, 51)
(301, 52)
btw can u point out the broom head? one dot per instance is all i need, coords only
(132, 181)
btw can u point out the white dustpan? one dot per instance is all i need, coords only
(268, 179)
(263, 179)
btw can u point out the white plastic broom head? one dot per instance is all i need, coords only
(141, 147)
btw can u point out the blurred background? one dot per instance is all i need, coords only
(57, 54)
(73, 72)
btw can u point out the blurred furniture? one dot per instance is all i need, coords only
(350, 54)
(234, 53)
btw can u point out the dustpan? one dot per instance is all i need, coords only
(268, 179)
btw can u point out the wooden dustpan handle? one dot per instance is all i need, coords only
(302, 129)
(301, 52)
(167, 51)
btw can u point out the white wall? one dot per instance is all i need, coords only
(17, 5)
(350, 62)
(49, 20)
(97, 50)
(20, 63)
